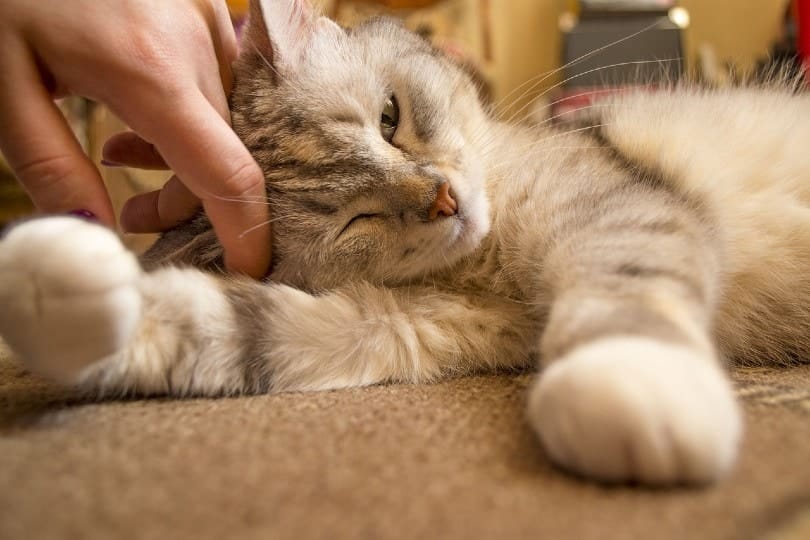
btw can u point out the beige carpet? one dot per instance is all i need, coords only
(453, 460)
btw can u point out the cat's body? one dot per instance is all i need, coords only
(630, 258)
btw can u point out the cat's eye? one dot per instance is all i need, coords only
(356, 219)
(389, 120)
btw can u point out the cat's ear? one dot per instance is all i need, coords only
(281, 30)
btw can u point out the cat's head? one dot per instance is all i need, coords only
(371, 143)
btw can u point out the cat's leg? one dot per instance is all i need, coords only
(632, 388)
(68, 294)
(203, 335)
(88, 316)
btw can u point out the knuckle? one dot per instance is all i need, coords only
(146, 50)
(45, 171)
(246, 178)
(199, 37)
(163, 65)
(152, 55)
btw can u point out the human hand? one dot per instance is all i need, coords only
(164, 69)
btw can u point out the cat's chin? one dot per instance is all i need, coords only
(469, 228)
(468, 233)
(462, 235)
(471, 224)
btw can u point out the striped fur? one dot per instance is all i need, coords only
(630, 260)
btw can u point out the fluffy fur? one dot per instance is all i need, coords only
(630, 259)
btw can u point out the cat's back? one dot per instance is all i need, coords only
(745, 155)
(740, 157)
(717, 141)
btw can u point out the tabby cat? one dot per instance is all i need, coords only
(415, 238)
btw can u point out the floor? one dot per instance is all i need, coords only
(451, 460)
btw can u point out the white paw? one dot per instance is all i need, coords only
(68, 294)
(632, 409)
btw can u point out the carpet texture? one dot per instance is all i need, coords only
(453, 460)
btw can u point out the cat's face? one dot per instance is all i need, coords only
(371, 144)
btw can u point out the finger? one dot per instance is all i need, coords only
(40, 147)
(164, 209)
(129, 149)
(159, 210)
(213, 163)
(225, 44)
(140, 214)
(217, 47)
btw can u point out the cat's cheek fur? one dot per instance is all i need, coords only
(69, 295)
(636, 409)
(477, 222)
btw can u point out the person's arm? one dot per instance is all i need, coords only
(164, 68)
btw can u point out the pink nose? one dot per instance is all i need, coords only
(444, 205)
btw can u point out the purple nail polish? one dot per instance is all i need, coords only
(107, 163)
(84, 214)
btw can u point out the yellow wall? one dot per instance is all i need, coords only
(740, 30)
(527, 42)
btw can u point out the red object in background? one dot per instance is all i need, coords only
(803, 20)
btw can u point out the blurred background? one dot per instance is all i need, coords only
(517, 51)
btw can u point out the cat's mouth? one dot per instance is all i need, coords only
(462, 229)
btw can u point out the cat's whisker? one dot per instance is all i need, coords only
(489, 146)
(540, 126)
(257, 200)
(262, 224)
(546, 75)
(529, 91)
(588, 72)
(265, 60)
(272, 68)
(497, 167)
(243, 199)
(593, 92)
(477, 138)
(513, 118)
(553, 134)
(529, 146)
(521, 148)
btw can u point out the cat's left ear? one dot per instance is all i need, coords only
(282, 30)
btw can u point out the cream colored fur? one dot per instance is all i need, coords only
(644, 409)
(746, 153)
(68, 294)
(630, 263)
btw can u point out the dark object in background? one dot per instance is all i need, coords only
(594, 6)
(784, 58)
(802, 14)
(641, 45)
(652, 56)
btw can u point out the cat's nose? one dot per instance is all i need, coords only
(444, 205)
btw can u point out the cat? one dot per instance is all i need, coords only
(415, 237)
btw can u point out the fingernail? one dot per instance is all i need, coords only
(84, 214)
(108, 163)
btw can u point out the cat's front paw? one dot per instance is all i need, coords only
(68, 291)
(632, 409)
